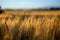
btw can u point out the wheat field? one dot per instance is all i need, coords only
(30, 25)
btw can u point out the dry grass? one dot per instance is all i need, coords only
(30, 25)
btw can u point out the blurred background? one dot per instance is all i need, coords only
(29, 4)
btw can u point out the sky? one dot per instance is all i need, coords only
(28, 4)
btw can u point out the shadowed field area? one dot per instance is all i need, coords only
(30, 25)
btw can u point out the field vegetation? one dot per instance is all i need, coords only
(30, 25)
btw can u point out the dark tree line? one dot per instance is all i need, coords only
(54, 8)
(1, 11)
